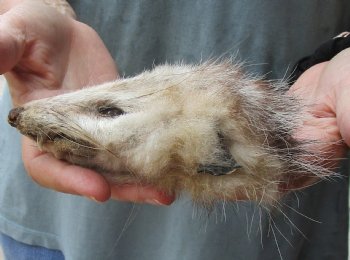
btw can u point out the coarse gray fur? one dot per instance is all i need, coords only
(170, 127)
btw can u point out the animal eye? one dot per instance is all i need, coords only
(110, 111)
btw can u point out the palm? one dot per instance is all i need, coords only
(324, 88)
(45, 53)
(51, 61)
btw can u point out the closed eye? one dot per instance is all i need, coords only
(110, 111)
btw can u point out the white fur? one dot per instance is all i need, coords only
(175, 117)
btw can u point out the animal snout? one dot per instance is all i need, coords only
(14, 116)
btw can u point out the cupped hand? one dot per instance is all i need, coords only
(325, 91)
(45, 53)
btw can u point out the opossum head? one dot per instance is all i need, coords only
(206, 129)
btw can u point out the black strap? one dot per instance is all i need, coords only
(323, 53)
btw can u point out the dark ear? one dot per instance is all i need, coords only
(228, 166)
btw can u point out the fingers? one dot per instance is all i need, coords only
(141, 194)
(54, 174)
(60, 176)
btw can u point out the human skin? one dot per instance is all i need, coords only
(39, 61)
(45, 53)
(325, 90)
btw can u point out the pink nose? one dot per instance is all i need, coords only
(14, 115)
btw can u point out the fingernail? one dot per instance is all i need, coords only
(93, 199)
(154, 202)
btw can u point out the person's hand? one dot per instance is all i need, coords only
(325, 91)
(45, 53)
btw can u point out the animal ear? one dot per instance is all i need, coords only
(227, 163)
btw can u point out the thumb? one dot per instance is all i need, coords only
(342, 111)
(337, 78)
(12, 42)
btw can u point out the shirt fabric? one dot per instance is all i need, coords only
(269, 36)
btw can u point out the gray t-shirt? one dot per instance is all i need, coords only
(270, 35)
